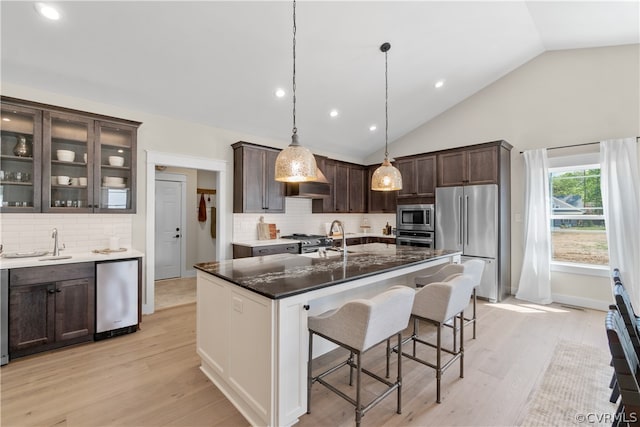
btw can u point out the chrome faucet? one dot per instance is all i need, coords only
(344, 237)
(54, 235)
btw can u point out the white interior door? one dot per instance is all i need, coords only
(168, 234)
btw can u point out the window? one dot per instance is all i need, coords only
(578, 233)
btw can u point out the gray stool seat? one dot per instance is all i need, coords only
(438, 303)
(473, 268)
(358, 326)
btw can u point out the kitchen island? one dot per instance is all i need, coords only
(252, 314)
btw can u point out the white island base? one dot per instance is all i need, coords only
(254, 348)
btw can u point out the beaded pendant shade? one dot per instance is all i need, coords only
(295, 163)
(386, 177)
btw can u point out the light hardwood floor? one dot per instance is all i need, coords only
(174, 292)
(151, 377)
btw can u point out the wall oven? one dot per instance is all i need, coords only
(422, 239)
(415, 217)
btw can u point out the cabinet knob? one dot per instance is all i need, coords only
(306, 307)
(58, 290)
(51, 291)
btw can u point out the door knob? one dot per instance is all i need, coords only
(177, 228)
(177, 236)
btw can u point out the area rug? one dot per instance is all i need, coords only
(575, 388)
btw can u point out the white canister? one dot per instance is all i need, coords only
(114, 243)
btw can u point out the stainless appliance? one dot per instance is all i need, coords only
(116, 297)
(311, 242)
(4, 317)
(467, 220)
(415, 217)
(414, 226)
(423, 239)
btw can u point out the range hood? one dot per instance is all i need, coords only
(311, 190)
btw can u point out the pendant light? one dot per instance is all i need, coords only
(386, 177)
(295, 163)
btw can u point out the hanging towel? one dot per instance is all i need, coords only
(202, 209)
(213, 222)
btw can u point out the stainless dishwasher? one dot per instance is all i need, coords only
(117, 284)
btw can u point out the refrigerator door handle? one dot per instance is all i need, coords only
(460, 222)
(466, 220)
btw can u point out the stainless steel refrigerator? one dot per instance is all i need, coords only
(467, 220)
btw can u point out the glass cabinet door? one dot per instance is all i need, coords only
(115, 179)
(67, 181)
(20, 157)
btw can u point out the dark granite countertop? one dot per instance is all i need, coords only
(285, 275)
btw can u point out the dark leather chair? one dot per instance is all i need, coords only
(625, 365)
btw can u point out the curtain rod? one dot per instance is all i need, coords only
(578, 145)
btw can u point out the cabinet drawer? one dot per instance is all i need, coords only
(50, 273)
(292, 248)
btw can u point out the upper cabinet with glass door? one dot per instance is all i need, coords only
(20, 148)
(115, 171)
(67, 157)
(55, 159)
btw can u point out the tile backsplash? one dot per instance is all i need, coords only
(299, 219)
(78, 232)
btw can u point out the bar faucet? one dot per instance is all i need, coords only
(54, 235)
(344, 237)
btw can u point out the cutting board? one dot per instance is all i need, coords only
(264, 230)
(273, 233)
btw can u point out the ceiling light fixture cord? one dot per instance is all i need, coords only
(295, 129)
(386, 105)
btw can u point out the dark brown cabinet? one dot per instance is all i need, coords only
(380, 201)
(468, 166)
(348, 183)
(242, 251)
(255, 189)
(78, 162)
(418, 176)
(50, 307)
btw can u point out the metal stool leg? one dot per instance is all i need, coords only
(462, 344)
(309, 372)
(475, 301)
(358, 402)
(438, 361)
(399, 379)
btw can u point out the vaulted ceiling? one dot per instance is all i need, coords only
(220, 63)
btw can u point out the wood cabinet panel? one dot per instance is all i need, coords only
(341, 187)
(254, 184)
(357, 189)
(31, 309)
(482, 166)
(83, 134)
(74, 308)
(418, 176)
(468, 167)
(47, 311)
(348, 183)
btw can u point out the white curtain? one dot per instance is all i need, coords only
(535, 279)
(620, 200)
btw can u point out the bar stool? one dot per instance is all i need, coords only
(358, 326)
(438, 303)
(473, 268)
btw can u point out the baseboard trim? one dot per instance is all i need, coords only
(581, 302)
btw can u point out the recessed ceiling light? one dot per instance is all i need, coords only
(47, 11)
(373, 127)
(6, 119)
(439, 84)
(333, 113)
(280, 93)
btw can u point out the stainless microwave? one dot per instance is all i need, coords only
(415, 217)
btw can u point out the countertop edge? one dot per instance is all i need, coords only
(278, 296)
(76, 257)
